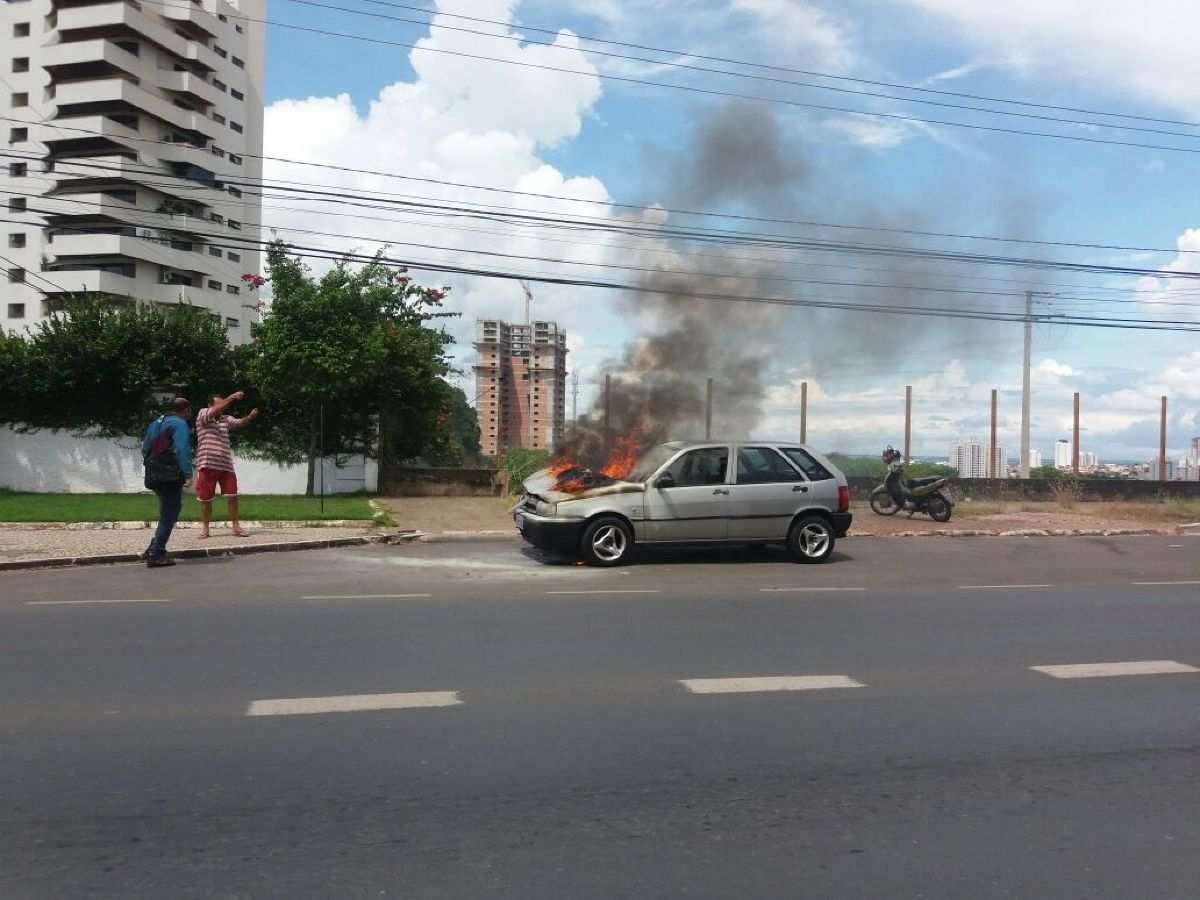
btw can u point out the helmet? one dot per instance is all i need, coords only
(890, 454)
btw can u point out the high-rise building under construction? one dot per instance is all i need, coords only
(520, 385)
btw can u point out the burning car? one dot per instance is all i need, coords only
(711, 492)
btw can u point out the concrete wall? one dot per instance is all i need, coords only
(48, 461)
(1090, 489)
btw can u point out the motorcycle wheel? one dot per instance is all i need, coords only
(882, 503)
(939, 508)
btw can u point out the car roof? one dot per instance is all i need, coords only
(688, 445)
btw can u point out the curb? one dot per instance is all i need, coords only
(453, 537)
(137, 525)
(194, 553)
(1022, 532)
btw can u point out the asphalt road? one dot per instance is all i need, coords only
(474, 720)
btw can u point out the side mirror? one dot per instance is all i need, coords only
(664, 481)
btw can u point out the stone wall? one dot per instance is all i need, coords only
(1089, 489)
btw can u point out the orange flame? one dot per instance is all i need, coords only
(624, 455)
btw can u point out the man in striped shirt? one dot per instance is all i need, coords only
(214, 459)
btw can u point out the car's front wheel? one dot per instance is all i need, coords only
(811, 539)
(607, 541)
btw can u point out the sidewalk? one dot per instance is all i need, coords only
(19, 545)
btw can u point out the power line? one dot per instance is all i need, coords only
(778, 68)
(727, 72)
(996, 129)
(640, 207)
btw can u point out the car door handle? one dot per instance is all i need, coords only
(800, 488)
(721, 491)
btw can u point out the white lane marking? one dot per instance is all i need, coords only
(562, 593)
(1000, 587)
(302, 706)
(809, 590)
(1112, 669)
(1161, 583)
(366, 596)
(89, 602)
(769, 683)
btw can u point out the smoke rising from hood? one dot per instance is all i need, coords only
(741, 160)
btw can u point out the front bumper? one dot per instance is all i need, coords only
(560, 535)
(841, 523)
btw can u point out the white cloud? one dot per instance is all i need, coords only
(877, 134)
(1175, 297)
(1054, 368)
(957, 72)
(803, 29)
(1143, 50)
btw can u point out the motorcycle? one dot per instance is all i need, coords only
(925, 495)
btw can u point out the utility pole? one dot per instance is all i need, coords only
(1075, 440)
(993, 468)
(907, 424)
(1025, 397)
(529, 364)
(804, 412)
(708, 412)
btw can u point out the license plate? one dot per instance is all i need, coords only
(520, 520)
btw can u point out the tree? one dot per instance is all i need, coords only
(99, 367)
(338, 359)
(1049, 473)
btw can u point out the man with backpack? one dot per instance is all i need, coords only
(167, 455)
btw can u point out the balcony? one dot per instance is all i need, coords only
(87, 95)
(72, 247)
(87, 59)
(119, 18)
(190, 85)
(193, 18)
(74, 172)
(59, 134)
(203, 55)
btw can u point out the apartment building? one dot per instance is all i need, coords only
(520, 385)
(970, 458)
(134, 136)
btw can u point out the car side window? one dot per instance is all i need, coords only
(808, 465)
(762, 465)
(700, 467)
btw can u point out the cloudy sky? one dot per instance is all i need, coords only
(572, 130)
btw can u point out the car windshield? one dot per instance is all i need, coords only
(651, 462)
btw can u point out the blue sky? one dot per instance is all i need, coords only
(594, 138)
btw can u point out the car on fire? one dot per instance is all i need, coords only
(747, 492)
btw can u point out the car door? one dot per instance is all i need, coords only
(823, 485)
(765, 496)
(689, 499)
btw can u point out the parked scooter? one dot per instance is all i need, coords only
(925, 495)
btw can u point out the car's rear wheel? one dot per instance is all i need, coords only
(607, 541)
(811, 539)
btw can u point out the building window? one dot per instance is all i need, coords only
(16, 310)
(236, 94)
(220, 51)
(234, 257)
(219, 85)
(236, 226)
(16, 240)
(237, 62)
(131, 47)
(18, 170)
(234, 191)
(21, 29)
(235, 159)
(21, 64)
(236, 127)
(231, 322)
(232, 289)
(218, 118)
(16, 204)
(20, 99)
(216, 217)
(18, 135)
(214, 251)
(16, 276)
(214, 285)
(238, 29)
(221, 17)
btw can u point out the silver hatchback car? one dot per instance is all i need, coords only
(711, 492)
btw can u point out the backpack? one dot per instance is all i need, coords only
(160, 461)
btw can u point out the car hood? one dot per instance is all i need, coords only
(541, 485)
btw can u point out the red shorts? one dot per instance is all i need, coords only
(207, 481)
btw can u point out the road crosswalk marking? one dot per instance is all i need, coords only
(769, 683)
(302, 706)
(1116, 669)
